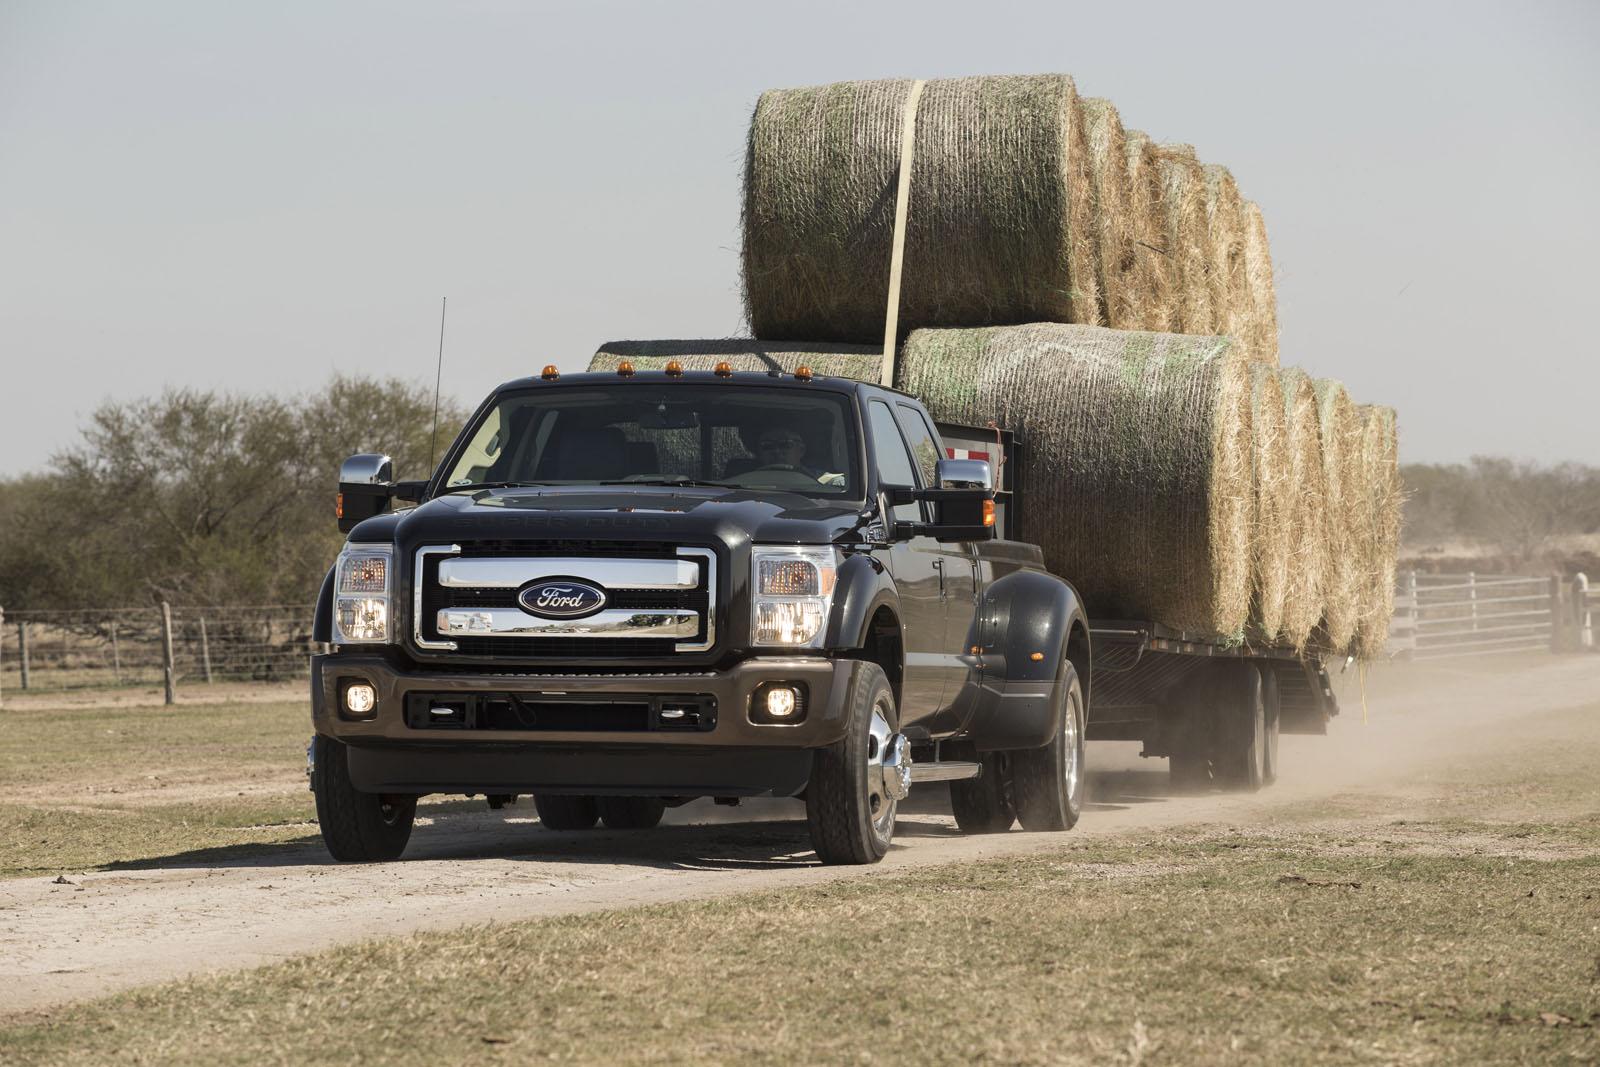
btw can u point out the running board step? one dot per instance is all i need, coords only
(948, 771)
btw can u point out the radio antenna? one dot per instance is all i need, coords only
(438, 376)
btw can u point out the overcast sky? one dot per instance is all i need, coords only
(252, 196)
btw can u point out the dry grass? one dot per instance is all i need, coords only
(837, 361)
(1183, 207)
(1448, 924)
(1307, 519)
(1273, 501)
(1340, 429)
(1114, 222)
(1262, 333)
(1380, 463)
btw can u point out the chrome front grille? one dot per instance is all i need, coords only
(465, 600)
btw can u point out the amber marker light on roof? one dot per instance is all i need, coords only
(674, 369)
(724, 369)
(625, 369)
(802, 373)
(549, 373)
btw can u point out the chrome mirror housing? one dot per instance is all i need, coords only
(963, 474)
(367, 468)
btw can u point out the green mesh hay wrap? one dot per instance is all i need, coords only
(835, 361)
(1187, 237)
(1139, 473)
(1382, 499)
(1114, 224)
(1340, 428)
(1154, 278)
(1272, 504)
(1307, 520)
(1261, 333)
(998, 230)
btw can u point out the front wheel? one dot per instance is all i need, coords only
(857, 782)
(356, 827)
(1048, 782)
(559, 812)
(631, 813)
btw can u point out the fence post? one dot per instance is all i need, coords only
(2, 652)
(1416, 613)
(1472, 595)
(1581, 613)
(166, 653)
(205, 649)
(22, 649)
(116, 654)
(1558, 614)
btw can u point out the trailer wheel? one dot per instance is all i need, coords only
(1273, 709)
(357, 827)
(631, 813)
(984, 805)
(1048, 781)
(1240, 757)
(566, 813)
(852, 796)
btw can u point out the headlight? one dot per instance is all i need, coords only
(793, 595)
(363, 595)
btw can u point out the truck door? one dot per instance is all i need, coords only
(916, 566)
(956, 564)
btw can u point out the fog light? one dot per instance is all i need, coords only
(360, 698)
(780, 702)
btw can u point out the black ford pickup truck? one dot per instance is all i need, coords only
(619, 592)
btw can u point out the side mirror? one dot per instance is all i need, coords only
(366, 485)
(962, 499)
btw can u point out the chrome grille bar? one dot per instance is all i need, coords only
(512, 572)
(616, 622)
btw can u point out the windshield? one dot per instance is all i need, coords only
(746, 437)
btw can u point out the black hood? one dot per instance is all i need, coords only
(688, 515)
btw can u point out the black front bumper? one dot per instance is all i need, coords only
(395, 751)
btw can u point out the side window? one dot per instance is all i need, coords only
(894, 465)
(924, 446)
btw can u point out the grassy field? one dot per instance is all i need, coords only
(90, 787)
(1454, 919)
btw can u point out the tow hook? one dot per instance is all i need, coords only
(897, 767)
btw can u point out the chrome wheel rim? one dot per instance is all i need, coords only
(1072, 761)
(880, 804)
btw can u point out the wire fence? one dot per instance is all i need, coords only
(53, 651)
(1447, 616)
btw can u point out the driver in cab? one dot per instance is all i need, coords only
(783, 448)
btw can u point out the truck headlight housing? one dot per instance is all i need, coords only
(793, 595)
(363, 600)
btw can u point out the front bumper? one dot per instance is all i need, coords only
(733, 757)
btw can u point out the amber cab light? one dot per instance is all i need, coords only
(724, 369)
(802, 373)
(549, 373)
(625, 369)
(674, 369)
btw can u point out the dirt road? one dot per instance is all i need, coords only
(102, 932)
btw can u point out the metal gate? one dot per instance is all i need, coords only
(1441, 616)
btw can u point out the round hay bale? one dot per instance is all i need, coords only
(1340, 429)
(1226, 281)
(1261, 335)
(1308, 489)
(1138, 477)
(1154, 286)
(1114, 223)
(1270, 527)
(998, 227)
(835, 361)
(1187, 237)
(1380, 463)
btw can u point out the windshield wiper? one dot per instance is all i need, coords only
(475, 486)
(668, 481)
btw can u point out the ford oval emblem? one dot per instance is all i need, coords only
(561, 599)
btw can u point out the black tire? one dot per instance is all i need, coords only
(1048, 781)
(631, 813)
(1240, 756)
(984, 805)
(566, 813)
(1192, 734)
(1189, 771)
(357, 827)
(500, 800)
(850, 822)
(1274, 715)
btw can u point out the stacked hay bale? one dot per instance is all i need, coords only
(1140, 487)
(832, 360)
(1173, 474)
(1027, 204)
(1307, 521)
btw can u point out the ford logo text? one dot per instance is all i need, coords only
(561, 599)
